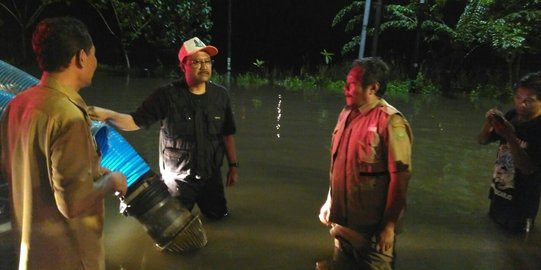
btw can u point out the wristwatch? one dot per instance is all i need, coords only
(234, 164)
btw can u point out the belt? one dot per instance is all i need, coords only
(385, 173)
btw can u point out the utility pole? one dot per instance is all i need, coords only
(362, 42)
(229, 26)
(377, 23)
(415, 65)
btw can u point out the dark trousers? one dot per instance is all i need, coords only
(208, 194)
(356, 250)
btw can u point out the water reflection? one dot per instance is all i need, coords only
(278, 115)
(283, 145)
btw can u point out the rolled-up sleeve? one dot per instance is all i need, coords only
(153, 109)
(400, 142)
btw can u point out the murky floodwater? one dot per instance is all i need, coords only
(283, 147)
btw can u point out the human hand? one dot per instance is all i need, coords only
(104, 171)
(232, 176)
(494, 115)
(497, 120)
(118, 183)
(385, 240)
(324, 213)
(493, 111)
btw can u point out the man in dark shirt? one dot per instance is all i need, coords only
(515, 189)
(197, 128)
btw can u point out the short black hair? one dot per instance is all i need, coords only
(56, 40)
(531, 81)
(374, 70)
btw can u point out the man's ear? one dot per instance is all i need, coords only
(181, 65)
(81, 58)
(373, 88)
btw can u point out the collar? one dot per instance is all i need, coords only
(72, 94)
(365, 108)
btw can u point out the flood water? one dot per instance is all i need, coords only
(283, 143)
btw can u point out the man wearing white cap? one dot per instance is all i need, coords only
(197, 128)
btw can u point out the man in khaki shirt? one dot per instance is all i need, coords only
(370, 171)
(50, 159)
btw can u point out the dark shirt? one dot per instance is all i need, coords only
(162, 102)
(192, 129)
(515, 195)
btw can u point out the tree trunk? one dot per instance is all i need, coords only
(126, 56)
(516, 67)
(377, 23)
(510, 59)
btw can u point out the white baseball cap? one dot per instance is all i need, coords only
(194, 45)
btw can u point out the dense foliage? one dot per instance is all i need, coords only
(25, 13)
(506, 29)
(160, 24)
(444, 46)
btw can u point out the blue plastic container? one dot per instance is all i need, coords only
(117, 153)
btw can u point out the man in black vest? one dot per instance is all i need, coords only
(197, 128)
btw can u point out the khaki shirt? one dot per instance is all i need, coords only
(365, 150)
(50, 160)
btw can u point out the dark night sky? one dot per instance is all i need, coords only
(283, 33)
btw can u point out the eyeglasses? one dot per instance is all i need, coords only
(199, 63)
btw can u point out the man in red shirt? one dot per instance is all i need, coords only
(370, 170)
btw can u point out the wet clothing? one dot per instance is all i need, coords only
(368, 144)
(514, 196)
(357, 251)
(50, 159)
(191, 141)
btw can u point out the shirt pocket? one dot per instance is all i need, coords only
(215, 120)
(182, 124)
(369, 151)
(371, 195)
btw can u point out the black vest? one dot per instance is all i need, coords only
(191, 139)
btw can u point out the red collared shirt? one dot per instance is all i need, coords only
(365, 149)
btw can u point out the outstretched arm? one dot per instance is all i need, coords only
(121, 121)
